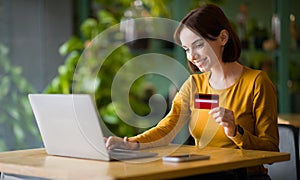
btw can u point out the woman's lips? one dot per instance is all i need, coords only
(200, 63)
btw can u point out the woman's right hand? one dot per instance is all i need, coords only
(114, 142)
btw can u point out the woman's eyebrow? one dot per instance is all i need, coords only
(196, 41)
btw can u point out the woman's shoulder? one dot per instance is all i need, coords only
(249, 70)
(256, 75)
(254, 72)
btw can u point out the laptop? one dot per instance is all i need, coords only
(69, 126)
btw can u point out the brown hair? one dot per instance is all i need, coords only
(208, 21)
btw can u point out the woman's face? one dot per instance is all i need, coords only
(202, 53)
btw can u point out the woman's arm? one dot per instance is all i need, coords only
(265, 136)
(165, 131)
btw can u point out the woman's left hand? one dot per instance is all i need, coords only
(225, 118)
(113, 142)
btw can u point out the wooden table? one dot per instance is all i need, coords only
(35, 162)
(289, 119)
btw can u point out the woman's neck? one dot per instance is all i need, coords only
(225, 75)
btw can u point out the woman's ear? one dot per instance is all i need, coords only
(224, 36)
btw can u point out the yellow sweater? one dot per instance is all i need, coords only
(253, 100)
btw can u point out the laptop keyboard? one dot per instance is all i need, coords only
(122, 154)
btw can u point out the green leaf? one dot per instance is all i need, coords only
(2, 145)
(72, 59)
(13, 112)
(108, 114)
(22, 84)
(71, 45)
(3, 50)
(106, 17)
(89, 28)
(5, 84)
(111, 119)
(62, 70)
(16, 71)
(18, 131)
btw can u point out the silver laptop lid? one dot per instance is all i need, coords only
(69, 125)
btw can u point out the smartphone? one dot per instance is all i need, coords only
(185, 157)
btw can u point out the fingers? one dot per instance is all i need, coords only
(223, 116)
(121, 143)
(125, 139)
(114, 142)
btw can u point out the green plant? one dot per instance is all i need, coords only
(263, 61)
(90, 79)
(17, 126)
(196, 3)
(118, 7)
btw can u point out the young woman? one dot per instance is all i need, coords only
(246, 117)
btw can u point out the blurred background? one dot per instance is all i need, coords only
(41, 42)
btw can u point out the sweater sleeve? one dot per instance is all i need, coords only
(166, 130)
(264, 110)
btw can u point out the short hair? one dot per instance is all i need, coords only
(208, 21)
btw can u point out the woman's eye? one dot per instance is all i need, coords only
(199, 45)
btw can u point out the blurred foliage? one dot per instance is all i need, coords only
(17, 126)
(117, 8)
(261, 60)
(294, 76)
(197, 3)
(90, 79)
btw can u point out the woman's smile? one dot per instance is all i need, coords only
(200, 63)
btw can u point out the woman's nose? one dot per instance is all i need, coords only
(193, 56)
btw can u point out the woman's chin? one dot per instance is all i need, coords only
(202, 70)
